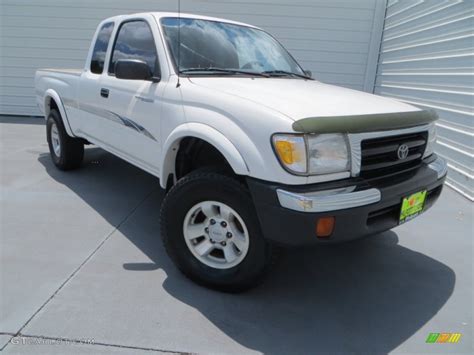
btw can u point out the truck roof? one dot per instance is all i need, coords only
(160, 15)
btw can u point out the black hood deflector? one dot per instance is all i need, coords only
(364, 123)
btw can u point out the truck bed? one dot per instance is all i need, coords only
(64, 82)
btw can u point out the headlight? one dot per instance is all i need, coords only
(312, 154)
(328, 153)
(430, 145)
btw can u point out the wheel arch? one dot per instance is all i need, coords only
(209, 135)
(52, 100)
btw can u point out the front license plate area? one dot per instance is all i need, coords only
(412, 206)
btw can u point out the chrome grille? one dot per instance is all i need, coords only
(380, 155)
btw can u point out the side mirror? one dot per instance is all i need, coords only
(133, 69)
(308, 73)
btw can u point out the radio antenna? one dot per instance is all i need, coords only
(178, 84)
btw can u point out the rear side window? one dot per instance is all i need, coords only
(135, 41)
(100, 48)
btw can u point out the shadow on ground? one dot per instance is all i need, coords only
(365, 296)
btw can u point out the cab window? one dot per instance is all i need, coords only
(100, 48)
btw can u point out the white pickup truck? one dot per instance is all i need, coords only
(252, 151)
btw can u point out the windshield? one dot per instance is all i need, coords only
(222, 48)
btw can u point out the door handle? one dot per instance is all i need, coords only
(104, 93)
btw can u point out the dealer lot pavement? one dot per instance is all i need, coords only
(82, 260)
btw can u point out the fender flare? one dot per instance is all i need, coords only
(206, 133)
(51, 94)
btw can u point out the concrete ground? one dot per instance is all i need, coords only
(83, 270)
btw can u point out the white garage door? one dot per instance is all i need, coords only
(331, 38)
(427, 59)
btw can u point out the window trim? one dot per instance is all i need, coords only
(158, 64)
(112, 23)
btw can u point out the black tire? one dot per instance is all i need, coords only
(202, 186)
(71, 151)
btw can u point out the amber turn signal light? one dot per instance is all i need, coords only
(325, 227)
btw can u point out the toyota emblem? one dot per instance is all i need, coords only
(402, 152)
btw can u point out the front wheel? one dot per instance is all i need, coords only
(211, 232)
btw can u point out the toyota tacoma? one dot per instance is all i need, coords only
(253, 152)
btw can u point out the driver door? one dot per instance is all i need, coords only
(133, 106)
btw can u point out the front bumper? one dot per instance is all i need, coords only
(289, 214)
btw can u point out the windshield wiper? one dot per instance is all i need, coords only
(285, 73)
(222, 70)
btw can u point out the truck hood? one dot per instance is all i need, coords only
(298, 99)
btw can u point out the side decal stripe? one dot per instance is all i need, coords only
(111, 116)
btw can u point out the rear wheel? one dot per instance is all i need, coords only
(211, 232)
(66, 152)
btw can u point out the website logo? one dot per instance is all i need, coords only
(444, 338)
